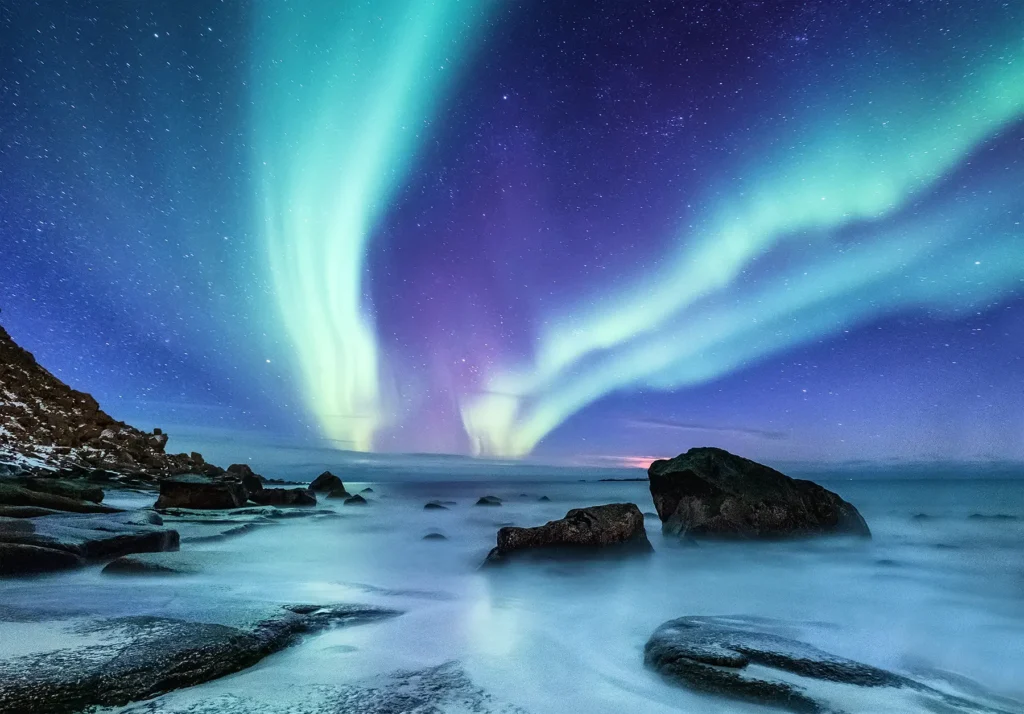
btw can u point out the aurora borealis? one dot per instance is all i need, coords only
(567, 231)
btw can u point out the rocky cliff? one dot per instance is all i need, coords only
(45, 425)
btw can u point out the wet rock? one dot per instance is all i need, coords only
(12, 495)
(200, 492)
(153, 655)
(23, 559)
(69, 489)
(26, 511)
(284, 497)
(544, 499)
(435, 506)
(992, 517)
(86, 537)
(173, 563)
(367, 490)
(737, 658)
(615, 527)
(435, 536)
(489, 501)
(327, 482)
(710, 492)
(339, 493)
(251, 481)
(356, 500)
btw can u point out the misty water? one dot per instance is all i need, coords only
(939, 596)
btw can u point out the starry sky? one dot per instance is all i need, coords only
(574, 232)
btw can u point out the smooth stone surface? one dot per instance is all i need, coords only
(615, 526)
(710, 492)
(13, 495)
(200, 492)
(24, 559)
(731, 657)
(169, 563)
(152, 655)
(78, 490)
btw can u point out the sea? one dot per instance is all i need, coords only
(936, 594)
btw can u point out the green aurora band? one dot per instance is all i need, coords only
(343, 92)
(874, 145)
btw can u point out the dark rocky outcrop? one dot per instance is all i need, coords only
(85, 537)
(488, 501)
(19, 496)
(615, 527)
(284, 497)
(153, 655)
(543, 499)
(339, 493)
(435, 536)
(356, 500)
(201, 492)
(367, 490)
(251, 481)
(714, 655)
(45, 425)
(435, 506)
(327, 482)
(710, 492)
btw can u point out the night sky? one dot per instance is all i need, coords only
(580, 232)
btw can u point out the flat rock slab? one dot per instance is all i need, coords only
(169, 563)
(733, 658)
(14, 495)
(201, 492)
(82, 536)
(141, 657)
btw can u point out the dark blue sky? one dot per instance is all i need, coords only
(581, 232)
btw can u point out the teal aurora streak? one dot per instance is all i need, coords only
(343, 102)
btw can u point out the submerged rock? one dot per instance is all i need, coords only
(435, 536)
(172, 563)
(367, 490)
(327, 482)
(435, 506)
(356, 500)
(710, 492)
(715, 655)
(153, 655)
(489, 501)
(284, 497)
(543, 499)
(615, 526)
(83, 537)
(201, 492)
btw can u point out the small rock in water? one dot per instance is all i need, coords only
(356, 500)
(609, 528)
(489, 501)
(367, 490)
(435, 536)
(544, 499)
(435, 506)
(339, 493)
(327, 482)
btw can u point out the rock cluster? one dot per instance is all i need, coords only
(710, 492)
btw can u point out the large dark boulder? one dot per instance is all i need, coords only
(23, 559)
(284, 497)
(741, 658)
(710, 492)
(203, 492)
(327, 482)
(613, 527)
(143, 656)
